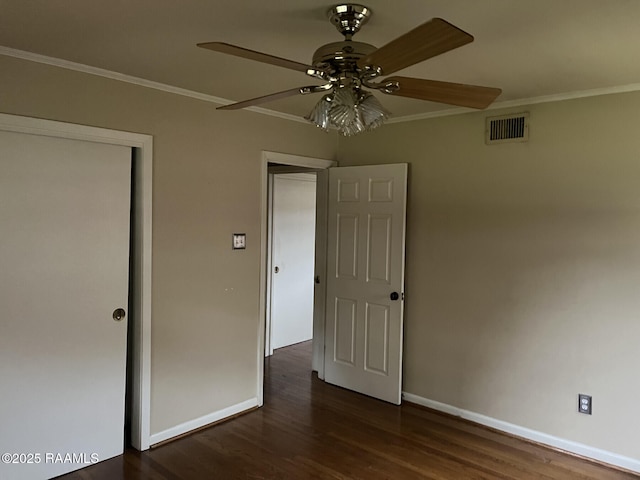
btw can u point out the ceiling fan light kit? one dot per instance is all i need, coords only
(351, 69)
(349, 110)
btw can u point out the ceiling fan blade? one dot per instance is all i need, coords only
(430, 39)
(253, 55)
(261, 100)
(276, 96)
(444, 92)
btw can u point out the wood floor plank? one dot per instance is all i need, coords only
(308, 429)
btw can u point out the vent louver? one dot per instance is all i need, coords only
(507, 128)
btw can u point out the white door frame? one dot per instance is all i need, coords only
(283, 159)
(142, 147)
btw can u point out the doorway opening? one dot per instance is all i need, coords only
(359, 276)
(279, 164)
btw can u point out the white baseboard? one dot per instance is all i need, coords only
(539, 437)
(196, 423)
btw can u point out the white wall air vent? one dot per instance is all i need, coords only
(507, 128)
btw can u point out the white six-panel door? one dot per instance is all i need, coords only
(365, 279)
(64, 258)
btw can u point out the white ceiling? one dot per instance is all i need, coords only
(529, 48)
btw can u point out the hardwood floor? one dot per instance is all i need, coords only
(311, 430)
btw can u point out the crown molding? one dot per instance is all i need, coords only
(596, 92)
(121, 77)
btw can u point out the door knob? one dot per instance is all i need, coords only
(118, 314)
(394, 296)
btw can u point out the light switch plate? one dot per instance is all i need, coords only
(239, 241)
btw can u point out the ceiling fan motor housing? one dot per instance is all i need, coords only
(338, 57)
(341, 55)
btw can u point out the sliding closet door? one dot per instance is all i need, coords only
(64, 258)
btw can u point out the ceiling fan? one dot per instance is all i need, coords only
(349, 68)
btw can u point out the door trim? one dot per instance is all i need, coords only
(320, 291)
(282, 159)
(142, 147)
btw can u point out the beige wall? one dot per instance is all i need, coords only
(523, 266)
(206, 186)
(524, 259)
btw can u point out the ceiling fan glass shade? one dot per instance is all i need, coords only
(344, 113)
(320, 113)
(372, 111)
(349, 110)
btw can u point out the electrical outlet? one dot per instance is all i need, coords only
(584, 403)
